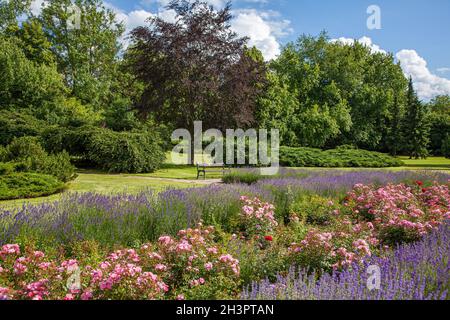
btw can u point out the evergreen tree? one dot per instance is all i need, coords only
(446, 146)
(395, 139)
(416, 127)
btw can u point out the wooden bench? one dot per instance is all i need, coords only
(202, 169)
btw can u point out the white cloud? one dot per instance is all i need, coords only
(427, 84)
(364, 40)
(263, 28)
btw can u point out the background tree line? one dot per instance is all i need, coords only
(56, 81)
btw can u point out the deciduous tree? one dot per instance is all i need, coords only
(196, 68)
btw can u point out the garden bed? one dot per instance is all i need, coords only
(214, 242)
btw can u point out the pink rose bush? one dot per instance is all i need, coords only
(258, 218)
(30, 276)
(328, 250)
(193, 265)
(371, 220)
(399, 213)
(189, 266)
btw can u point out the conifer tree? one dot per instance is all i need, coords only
(395, 139)
(416, 125)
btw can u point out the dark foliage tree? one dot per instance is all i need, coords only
(440, 123)
(416, 125)
(196, 69)
(395, 138)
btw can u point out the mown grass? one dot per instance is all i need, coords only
(105, 184)
(431, 163)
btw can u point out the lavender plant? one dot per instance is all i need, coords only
(419, 271)
(133, 219)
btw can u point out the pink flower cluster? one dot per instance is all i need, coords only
(330, 249)
(414, 210)
(193, 255)
(258, 217)
(123, 276)
(373, 217)
(169, 268)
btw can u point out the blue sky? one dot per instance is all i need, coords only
(416, 31)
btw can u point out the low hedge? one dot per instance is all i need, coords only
(28, 185)
(336, 158)
(242, 177)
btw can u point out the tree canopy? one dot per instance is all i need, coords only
(196, 68)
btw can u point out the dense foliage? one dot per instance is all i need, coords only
(326, 93)
(27, 155)
(130, 152)
(340, 158)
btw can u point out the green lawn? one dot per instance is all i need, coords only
(172, 176)
(108, 184)
(432, 163)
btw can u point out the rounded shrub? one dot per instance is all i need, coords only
(125, 152)
(28, 185)
(25, 147)
(29, 156)
(115, 152)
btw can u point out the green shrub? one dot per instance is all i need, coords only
(25, 147)
(125, 152)
(6, 168)
(3, 153)
(394, 236)
(342, 157)
(59, 165)
(242, 177)
(29, 156)
(117, 152)
(314, 210)
(28, 185)
(73, 140)
(15, 124)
